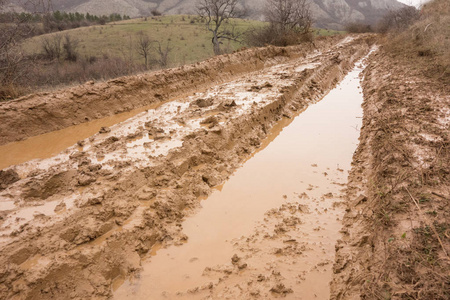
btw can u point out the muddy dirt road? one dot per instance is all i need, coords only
(93, 218)
(274, 222)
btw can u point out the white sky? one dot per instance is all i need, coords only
(416, 3)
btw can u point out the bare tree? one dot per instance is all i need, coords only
(51, 46)
(217, 15)
(12, 59)
(144, 47)
(289, 15)
(398, 19)
(289, 24)
(163, 52)
(70, 46)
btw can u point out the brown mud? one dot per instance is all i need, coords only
(395, 242)
(73, 224)
(274, 222)
(45, 112)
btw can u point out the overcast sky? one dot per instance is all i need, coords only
(416, 3)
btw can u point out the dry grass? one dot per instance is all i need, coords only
(410, 163)
(427, 41)
(410, 180)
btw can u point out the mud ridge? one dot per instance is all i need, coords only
(395, 240)
(45, 112)
(109, 215)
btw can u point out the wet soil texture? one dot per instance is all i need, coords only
(270, 230)
(79, 223)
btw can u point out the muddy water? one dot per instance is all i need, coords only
(304, 163)
(48, 144)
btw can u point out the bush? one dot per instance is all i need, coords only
(398, 19)
(289, 24)
(358, 28)
(270, 35)
(426, 40)
(156, 12)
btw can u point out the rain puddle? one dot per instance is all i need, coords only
(285, 198)
(48, 144)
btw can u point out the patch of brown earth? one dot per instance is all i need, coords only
(396, 240)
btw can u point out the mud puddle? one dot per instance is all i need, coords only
(49, 144)
(270, 230)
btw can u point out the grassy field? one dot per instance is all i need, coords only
(187, 35)
(109, 51)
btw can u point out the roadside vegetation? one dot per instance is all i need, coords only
(422, 37)
(405, 244)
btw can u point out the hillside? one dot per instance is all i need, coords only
(185, 35)
(327, 13)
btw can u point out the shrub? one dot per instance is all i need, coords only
(155, 12)
(358, 28)
(398, 20)
(289, 24)
(270, 35)
(426, 40)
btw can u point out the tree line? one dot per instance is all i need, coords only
(288, 22)
(58, 21)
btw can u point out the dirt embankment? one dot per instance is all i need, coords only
(396, 238)
(45, 112)
(110, 206)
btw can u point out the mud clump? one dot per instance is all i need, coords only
(281, 289)
(104, 130)
(202, 103)
(7, 178)
(45, 188)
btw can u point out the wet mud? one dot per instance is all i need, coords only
(76, 224)
(46, 112)
(395, 240)
(271, 228)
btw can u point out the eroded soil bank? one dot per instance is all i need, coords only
(396, 239)
(73, 223)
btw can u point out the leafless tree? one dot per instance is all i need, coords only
(144, 47)
(398, 19)
(51, 46)
(289, 24)
(70, 46)
(163, 53)
(12, 59)
(217, 15)
(289, 15)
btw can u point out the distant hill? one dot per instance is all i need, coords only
(327, 13)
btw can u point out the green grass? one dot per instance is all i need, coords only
(187, 35)
(191, 42)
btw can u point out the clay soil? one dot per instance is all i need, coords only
(396, 236)
(106, 201)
